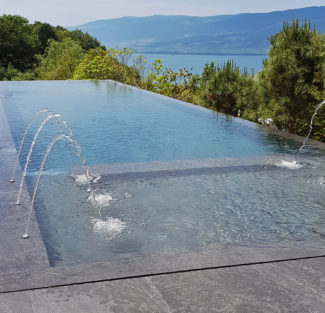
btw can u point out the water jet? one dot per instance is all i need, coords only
(310, 129)
(48, 150)
(23, 140)
(60, 120)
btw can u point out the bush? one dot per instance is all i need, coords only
(60, 60)
(227, 90)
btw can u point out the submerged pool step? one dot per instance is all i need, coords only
(135, 176)
(181, 168)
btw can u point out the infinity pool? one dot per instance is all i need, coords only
(175, 176)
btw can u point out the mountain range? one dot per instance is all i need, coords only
(246, 33)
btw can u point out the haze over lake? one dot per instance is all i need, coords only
(196, 62)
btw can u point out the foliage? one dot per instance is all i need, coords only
(181, 85)
(100, 64)
(8, 73)
(139, 64)
(292, 79)
(319, 125)
(28, 51)
(85, 40)
(17, 42)
(122, 56)
(60, 60)
(226, 89)
(27, 75)
(287, 90)
(96, 64)
(44, 32)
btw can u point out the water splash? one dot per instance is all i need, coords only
(81, 179)
(293, 165)
(101, 200)
(48, 150)
(310, 129)
(110, 228)
(321, 181)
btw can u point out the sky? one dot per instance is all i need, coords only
(77, 12)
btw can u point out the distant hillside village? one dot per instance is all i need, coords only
(285, 92)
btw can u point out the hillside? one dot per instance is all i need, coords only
(247, 33)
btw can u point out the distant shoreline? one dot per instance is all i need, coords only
(199, 53)
(196, 62)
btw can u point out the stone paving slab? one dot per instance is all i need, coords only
(137, 295)
(289, 286)
(295, 286)
(232, 256)
(30, 270)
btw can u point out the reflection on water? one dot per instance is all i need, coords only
(119, 124)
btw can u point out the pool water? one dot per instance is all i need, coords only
(119, 124)
(172, 176)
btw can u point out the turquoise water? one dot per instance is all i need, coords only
(119, 124)
(171, 176)
(196, 62)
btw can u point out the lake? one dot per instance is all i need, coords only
(196, 62)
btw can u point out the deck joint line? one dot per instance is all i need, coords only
(162, 273)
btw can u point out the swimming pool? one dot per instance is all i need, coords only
(179, 176)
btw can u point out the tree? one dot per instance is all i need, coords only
(122, 56)
(85, 40)
(96, 64)
(44, 32)
(17, 43)
(292, 79)
(225, 89)
(60, 60)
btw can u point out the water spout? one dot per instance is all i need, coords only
(45, 120)
(70, 140)
(310, 129)
(60, 121)
(23, 140)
